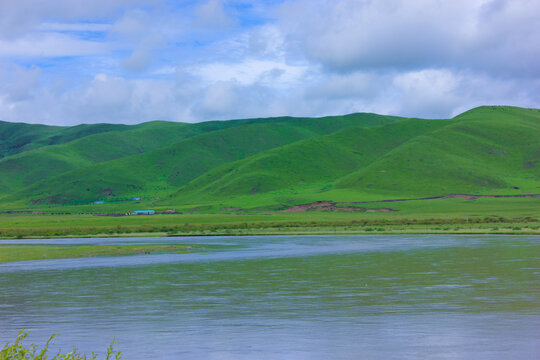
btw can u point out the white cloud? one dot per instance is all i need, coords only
(93, 27)
(18, 18)
(141, 58)
(266, 41)
(50, 45)
(347, 86)
(250, 71)
(428, 92)
(132, 61)
(18, 83)
(219, 99)
(212, 14)
(109, 98)
(131, 25)
(347, 35)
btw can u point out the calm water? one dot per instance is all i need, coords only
(290, 297)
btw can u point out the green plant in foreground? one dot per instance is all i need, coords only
(17, 351)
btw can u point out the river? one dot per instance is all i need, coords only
(286, 297)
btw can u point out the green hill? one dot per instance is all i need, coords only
(315, 161)
(19, 137)
(485, 151)
(29, 167)
(160, 172)
(284, 160)
(488, 150)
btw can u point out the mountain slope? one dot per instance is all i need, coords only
(19, 137)
(487, 150)
(315, 161)
(261, 162)
(160, 172)
(31, 166)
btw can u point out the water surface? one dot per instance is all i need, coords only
(287, 297)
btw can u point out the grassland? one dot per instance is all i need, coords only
(481, 215)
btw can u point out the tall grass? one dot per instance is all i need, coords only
(18, 351)
(255, 227)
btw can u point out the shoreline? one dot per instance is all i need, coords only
(510, 229)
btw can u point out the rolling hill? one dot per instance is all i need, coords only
(320, 160)
(486, 150)
(19, 137)
(483, 155)
(29, 167)
(160, 172)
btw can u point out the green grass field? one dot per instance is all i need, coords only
(482, 215)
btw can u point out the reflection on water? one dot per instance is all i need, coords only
(290, 297)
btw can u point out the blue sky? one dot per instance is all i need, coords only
(66, 62)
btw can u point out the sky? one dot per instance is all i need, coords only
(66, 62)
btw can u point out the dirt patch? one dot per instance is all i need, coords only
(333, 206)
(330, 206)
(452, 196)
(387, 210)
(199, 208)
(107, 192)
(255, 189)
(55, 199)
(317, 205)
(349, 208)
(232, 208)
(459, 196)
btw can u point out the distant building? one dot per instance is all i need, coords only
(143, 212)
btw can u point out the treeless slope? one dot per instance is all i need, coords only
(19, 137)
(29, 167)
(314, 161)
(162, 171)
(484, 151)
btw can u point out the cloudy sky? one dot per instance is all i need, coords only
(66, 62)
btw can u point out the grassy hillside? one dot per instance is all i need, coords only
(19, 137)
(160, 172)
(485, 151)
(315, 161)
(279, 162)
(488, 150)
(32, 166)
(37, 157)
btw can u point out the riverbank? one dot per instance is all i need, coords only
(407, 226)
(22, 252)
(382, 226)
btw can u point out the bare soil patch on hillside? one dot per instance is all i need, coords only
(331, 206)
